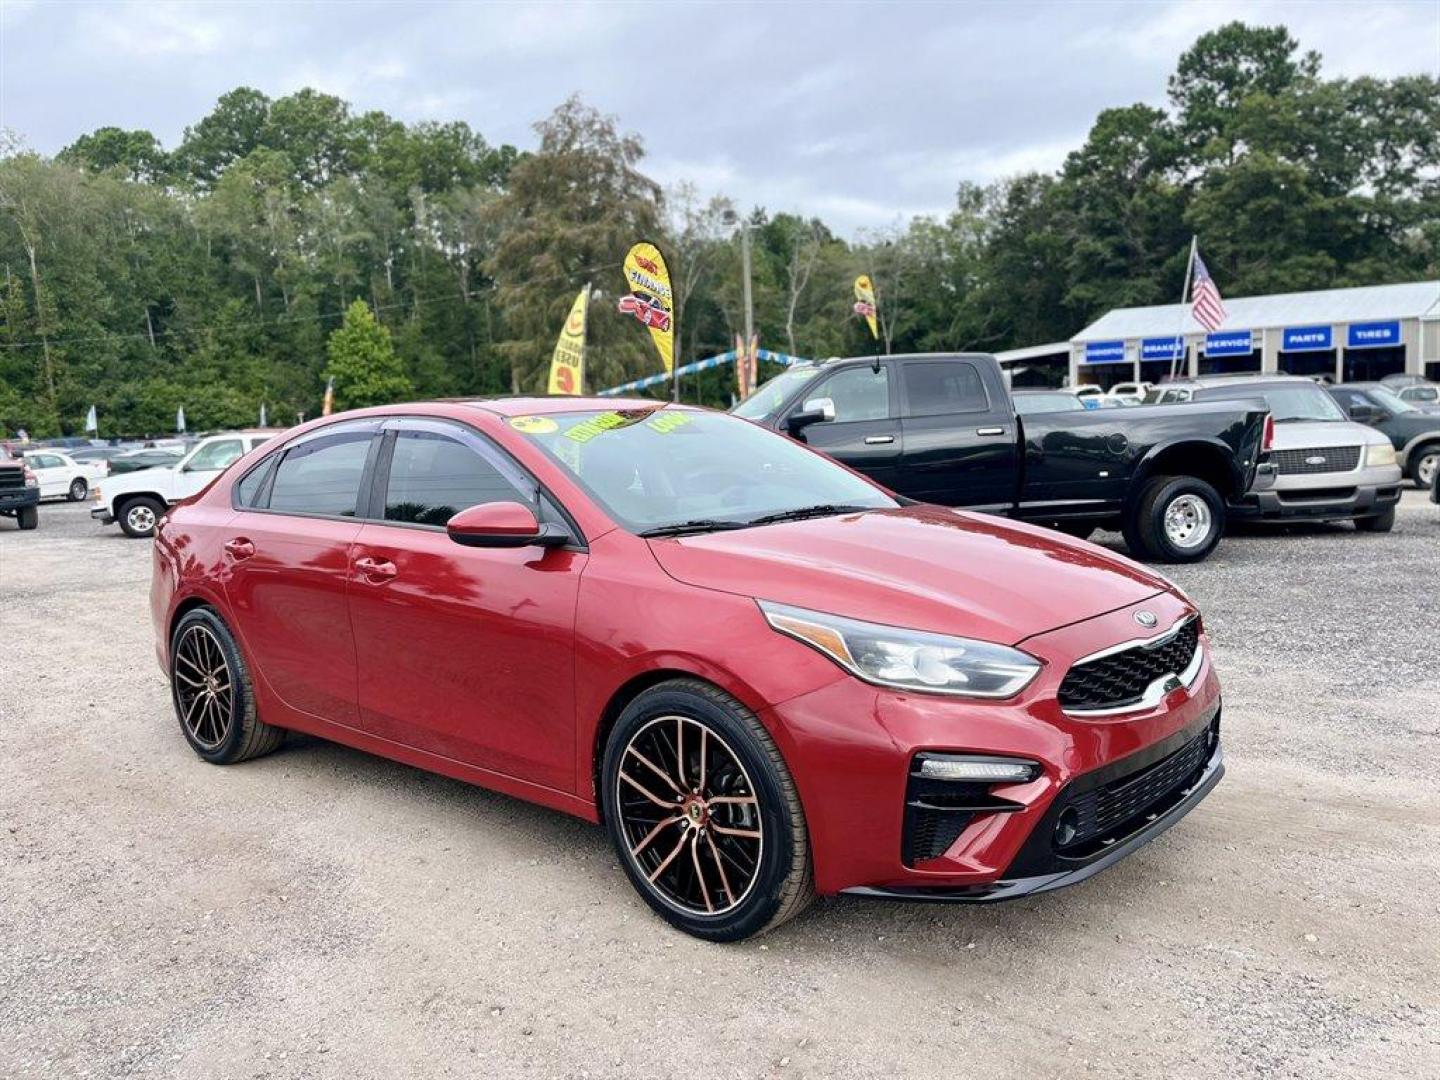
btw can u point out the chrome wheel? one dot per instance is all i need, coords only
(689, 816)
(204, 687)
(1426, 467)
(140, 518)
(78, 488)
(1187, 522)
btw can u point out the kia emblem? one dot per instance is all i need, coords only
(1145, 618)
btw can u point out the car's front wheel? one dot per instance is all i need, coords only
(213, 695)
(704, 814)
(138, 516)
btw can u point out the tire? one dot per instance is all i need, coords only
(221, 727)
(1380, 523)
(28, 517)
(138, 516)
(78, 489)
(1426, 466)
(763, 880)
(1176, 519)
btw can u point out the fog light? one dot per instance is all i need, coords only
(978, 770)
(1067, 827)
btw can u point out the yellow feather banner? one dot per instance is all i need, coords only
(567, 363)
(651, 300)
(865, 303)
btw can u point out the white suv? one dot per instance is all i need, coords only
(137, 499)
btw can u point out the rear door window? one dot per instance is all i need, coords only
(322, 476)
(943, 387)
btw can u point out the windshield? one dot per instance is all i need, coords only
(1391, 400)
(771, 395)
(655, 468)
(1288, 403)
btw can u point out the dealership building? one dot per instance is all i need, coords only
(1343, 334)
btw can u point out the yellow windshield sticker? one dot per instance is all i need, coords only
(534, 425)
(586, 430)
(665, 423)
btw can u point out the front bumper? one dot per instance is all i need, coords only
(852, 747)
(19, 498)
(1039, 868)
(1320, 497)
(102, 514)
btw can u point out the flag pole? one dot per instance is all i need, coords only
(1179, 349)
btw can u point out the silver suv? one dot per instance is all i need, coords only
(1322, 467)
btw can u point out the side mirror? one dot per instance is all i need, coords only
(820, 410)
(1366, 414)
(502, 525)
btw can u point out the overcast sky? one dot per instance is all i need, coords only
(859, 113)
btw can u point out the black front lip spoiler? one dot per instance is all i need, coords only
(1014, 888)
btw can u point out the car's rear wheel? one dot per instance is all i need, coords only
(213, 695)
(78, 489)
(1427, 464)
(1177, 519)
(1380, 523)
(704, 814)
(138, 516)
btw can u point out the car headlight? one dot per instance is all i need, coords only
(1378, 455)
(908, 659)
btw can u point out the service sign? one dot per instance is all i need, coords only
(1229, 343)
(1373, 335)
(865, 303)
(1162, 348)
(1104, 352)
(651, 300)
(567, 363)
(1306, 339)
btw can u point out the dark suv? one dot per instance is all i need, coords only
(1414, 432)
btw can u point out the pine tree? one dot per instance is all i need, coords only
(363, 361)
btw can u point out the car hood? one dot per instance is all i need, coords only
(1305, 434)
(922, 567)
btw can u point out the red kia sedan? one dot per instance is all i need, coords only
(766, 676)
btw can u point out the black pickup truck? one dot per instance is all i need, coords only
(942, 428)
(19, 492)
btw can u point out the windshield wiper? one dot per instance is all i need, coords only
(699, 525)
(803, 512)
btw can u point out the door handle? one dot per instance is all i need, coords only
(878, 440)
(989, 431)
(239, 548)
(377, 570)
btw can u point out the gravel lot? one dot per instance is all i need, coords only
(325, 913)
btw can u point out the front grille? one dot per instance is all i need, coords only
(1309, 495)
(1112, 811)
(1321, 459)
(12, 479)
(937, 811)
(1120, 679)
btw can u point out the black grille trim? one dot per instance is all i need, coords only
(12, 479)
(1119, 680)
(937, 811)
(1295, 463)
(1100, 817)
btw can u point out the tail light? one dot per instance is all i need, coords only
(1267, 437)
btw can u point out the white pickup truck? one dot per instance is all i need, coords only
(137, 499)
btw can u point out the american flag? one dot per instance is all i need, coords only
(1205, 302)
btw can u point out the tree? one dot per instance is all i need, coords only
(363, 362)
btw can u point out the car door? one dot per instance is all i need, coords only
(50, 473)
(960, 436)
(865, 431)
(287, 561)
(206, 463)
(463, 652)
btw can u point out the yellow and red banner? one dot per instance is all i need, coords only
(747, 361)
(567, 363)
(865, 303)
(651, 300)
